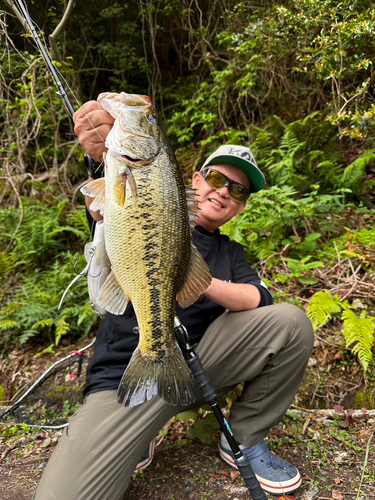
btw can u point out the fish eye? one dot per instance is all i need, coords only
(152, 119)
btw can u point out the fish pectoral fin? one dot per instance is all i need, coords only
(198, 279)
(111, 296)
(98, 205)
(94, 189)
(132, 184)
(120, 189)
(169, 377)
(192, 200)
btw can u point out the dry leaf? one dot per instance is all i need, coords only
(234, 475)
(337, 495)
(46, 442)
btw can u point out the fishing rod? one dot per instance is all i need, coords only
(209, 394)
(94, 169)
(47, 58)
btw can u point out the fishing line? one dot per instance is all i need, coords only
(30, 412)
(56, 74)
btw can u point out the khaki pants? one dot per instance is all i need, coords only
(267, 347)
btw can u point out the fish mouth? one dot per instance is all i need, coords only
(132, 160)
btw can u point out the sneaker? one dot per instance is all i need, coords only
(274, 474)
(147, 457)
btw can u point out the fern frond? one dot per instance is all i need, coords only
(85, 312)
(42, 323)
(329, 170)
(322, 307)
(320, 134)
(26, 335)
(62, 328)
(354, 173)
(360, 332)
(6, 324)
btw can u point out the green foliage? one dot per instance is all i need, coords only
(322, 307)
(352, 243)
(354, 173)
(292, 79)
(204, 425)
(287, 58)
(43, 253)
(299, 268)
(304, 153)
(34, 122)
(275, 219)
(358, 331)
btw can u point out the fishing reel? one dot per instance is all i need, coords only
(94, 168)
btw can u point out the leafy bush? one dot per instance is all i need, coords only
(289, 59)
(44, 251)
(305, 152)
(275, 221)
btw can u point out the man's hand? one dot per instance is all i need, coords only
(92, 125)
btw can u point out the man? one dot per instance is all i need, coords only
(242, 336)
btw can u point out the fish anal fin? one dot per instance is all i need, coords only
(197, 281)
(144, 378)
(111, 296)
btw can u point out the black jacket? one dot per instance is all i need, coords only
(116, 340)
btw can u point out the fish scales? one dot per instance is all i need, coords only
(148, 242)
(151, 258)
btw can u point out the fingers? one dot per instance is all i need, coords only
(92, 125)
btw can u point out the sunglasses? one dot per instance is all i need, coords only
(237, 192)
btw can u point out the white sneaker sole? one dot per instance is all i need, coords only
(146, 463)
(269, 486)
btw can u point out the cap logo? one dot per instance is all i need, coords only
(242, 154)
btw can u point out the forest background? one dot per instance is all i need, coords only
(294, 80)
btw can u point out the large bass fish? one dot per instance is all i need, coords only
(148, 217)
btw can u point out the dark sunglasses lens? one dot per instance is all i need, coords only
(238, 192)
(215, 179)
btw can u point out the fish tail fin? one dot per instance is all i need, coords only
(169, 377)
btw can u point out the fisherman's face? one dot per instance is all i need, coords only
(216, 206)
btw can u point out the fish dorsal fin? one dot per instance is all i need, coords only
(198, 279)
(111, 297)
(192, 200)
(95, 189)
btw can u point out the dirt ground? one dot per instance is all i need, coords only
(335, 453)
(185, 469)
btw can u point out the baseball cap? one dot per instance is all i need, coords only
(242, 158)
